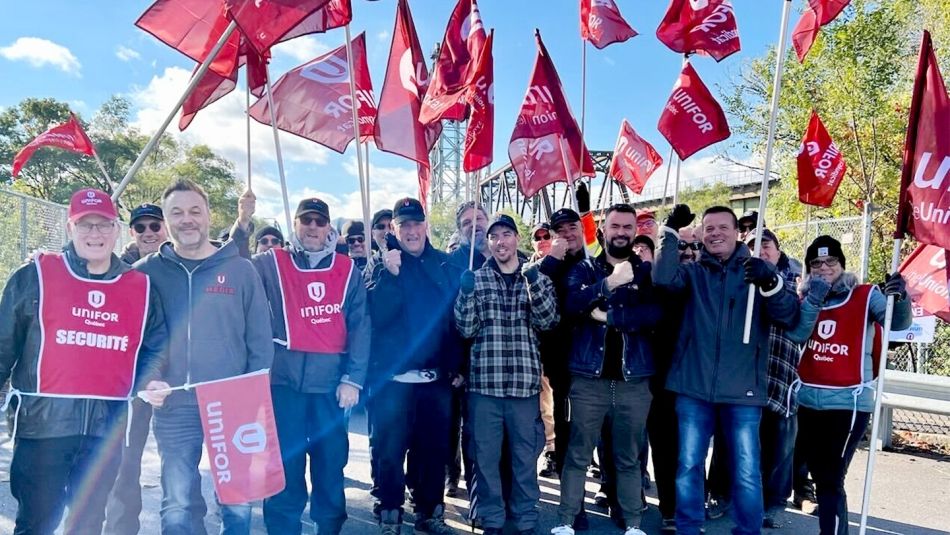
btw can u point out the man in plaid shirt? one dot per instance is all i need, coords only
(501, 306)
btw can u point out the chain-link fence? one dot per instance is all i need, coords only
(795, 238)
(27, 224)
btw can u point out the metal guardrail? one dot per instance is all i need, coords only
(915, 394)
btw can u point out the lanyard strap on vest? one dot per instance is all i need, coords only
(16, 393)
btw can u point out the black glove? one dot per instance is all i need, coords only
(761, 273)
(467, 282)
(680, 217)
(530, 272)
(583, 198)
(894, 284)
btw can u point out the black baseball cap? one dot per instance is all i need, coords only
(540, 226)
(504, 220)
(313, 205)
(408, 209)
(767, 235)
(382, 214)
(564, 215)
(146, 210)
(750, 217)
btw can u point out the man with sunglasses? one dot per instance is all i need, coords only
(355, 243)
(540, 241)
(747, 224)
(690, 244)
(382, 225)
(266, 239)
(147, 230)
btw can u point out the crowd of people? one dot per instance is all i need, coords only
(483, 364)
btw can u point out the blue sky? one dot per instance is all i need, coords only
(83, 52)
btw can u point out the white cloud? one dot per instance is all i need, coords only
(125, 53)
(41, 52)
(301, 49)
(383, 36)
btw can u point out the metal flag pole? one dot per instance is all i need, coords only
(150, 146)
(676, 187)
(472, 178)
(247, 104)
(102, 168)
(766, 173)
(565, 155)
(580, 162)
(364, 184)
(669, 167)
(280, 157)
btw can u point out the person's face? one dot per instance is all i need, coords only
(573, 234)
(541, 242)
(643, 251)
(312, 230)
(357, 245)
(266, 243)
(503, 243)
(689, 245)
(93, 237)
(647, 227)
(720, 235)
(769, 252)
(745, 229)
(619, 231)
(465, 226)
(148, 233)
(412, 236)
(188, 218)
(382, 227)
(828, 268)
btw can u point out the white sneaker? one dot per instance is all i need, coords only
(634, 531)
(565, 529)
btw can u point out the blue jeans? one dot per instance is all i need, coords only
(180, 439)
(739, 425)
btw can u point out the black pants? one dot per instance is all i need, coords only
(663, 432)
(49, 475)
(829, 443)
(125, 500)
(560, 389)
(777, 437)
(719, 478)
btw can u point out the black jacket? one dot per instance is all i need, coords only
(556, 343)
(44, 417)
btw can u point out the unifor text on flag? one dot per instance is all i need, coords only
(925, 271)
(706, 27)
(692, 119)
(634, 159)
(602, 24)
(821, 166)
(479, 137)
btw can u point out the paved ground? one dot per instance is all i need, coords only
(911, 496)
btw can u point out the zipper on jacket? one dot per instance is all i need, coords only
(722, 304)
(188, 328)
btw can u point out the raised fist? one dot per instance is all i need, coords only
(680, 217)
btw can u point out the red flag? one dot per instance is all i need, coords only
(634, 159)
(313, 100)
(701, 26)
(480, 136)
(69, 136)
(821, 165)
(241, 437)
(398, 129)
(425, 180)
(602, 24)
(335, 14)
(924, 210)
(264, 24)
(545, 119)
(213, 86)
(925, 271)
(818, 13)
(463, 40)
(692, 119)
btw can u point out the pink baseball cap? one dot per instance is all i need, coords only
(91, 201)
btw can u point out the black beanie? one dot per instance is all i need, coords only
(824, 246)
(353, 228)
(269, 231)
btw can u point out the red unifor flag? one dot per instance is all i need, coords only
(480, 136)
(313, 100)
(821, 166)
(924, 209)
(692, 119)
(266, 23)
(241, 437)
(700, 26)
(818, 13)
(213, 86)
(925, 271)
(544, 122)
(634, 159)
(69, 136)
(463, 40)
(602, 24)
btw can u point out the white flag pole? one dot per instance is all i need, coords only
(473, 181)
(669, 167)
(280, 158)
(676, 187)
(150, 146)
(766, 173)
(364, 183)
(247, 104)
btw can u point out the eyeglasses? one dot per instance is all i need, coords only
(268, 241)
(306, 220)
(154, 226)
(107, 227)
(818, 262)
(694, 245)
(352, 240)
(542, 236)
(380, 226)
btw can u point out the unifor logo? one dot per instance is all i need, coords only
(939, 259)
(250, 438)
(826, 329)
(221, 279)
(97, 299)
(317, 291)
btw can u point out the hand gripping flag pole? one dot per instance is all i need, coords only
(280, 156)
(195, 79)
(364, 182)
(766, 173)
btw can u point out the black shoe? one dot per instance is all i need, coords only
(717, 508)
(549, 470)
(390, 522)
(452, 488)
(600, 500)
(668, 525)
(645, 480)
(434, 523)
(616, 516)
(581, 523)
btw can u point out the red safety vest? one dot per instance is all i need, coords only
(90, 331)
(312, 302)
(834, 356)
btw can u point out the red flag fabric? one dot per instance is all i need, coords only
(925, 271)
(193, 27)
(924, 210)
(700, 26)
(602, 24)
(335, 14)
(213, 86)
(544, 121)
(479, 138)
(237, 416)
(463, 40)
(818, 13)
(425, 182)
(313, 100)
(634, 159)
(264, 24)
(398, 129)
(692, 119)
(68, 136)
(821, 165)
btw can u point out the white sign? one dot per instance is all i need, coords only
(920, 332)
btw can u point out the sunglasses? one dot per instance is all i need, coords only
(694, 245)
(817, 263)
(355, 239)
(380, 226)
(542, 236)
(746, 228)
(306, 220)
(268, 241)
(154, 226)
